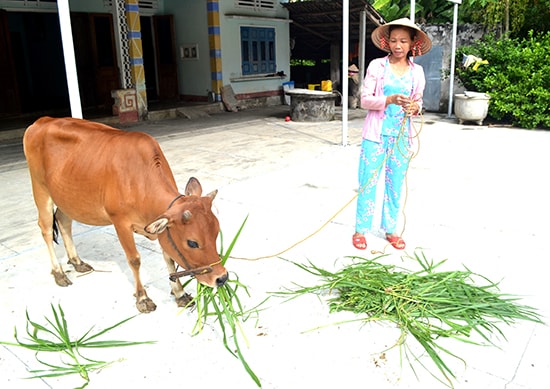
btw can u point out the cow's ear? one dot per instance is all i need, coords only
(157, 226)
(193, 187)
(212, 194)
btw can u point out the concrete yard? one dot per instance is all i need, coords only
(477, 196)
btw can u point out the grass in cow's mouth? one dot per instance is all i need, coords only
(428, 304)
(224, 305)
(54, 337)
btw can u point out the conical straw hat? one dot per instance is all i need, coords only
(384, 32)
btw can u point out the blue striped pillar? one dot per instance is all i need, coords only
(136, 53)
(213, 10)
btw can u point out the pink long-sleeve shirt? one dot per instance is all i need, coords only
(373, 99)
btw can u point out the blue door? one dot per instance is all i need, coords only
(431, 62)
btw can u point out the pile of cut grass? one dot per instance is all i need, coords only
(427, 304)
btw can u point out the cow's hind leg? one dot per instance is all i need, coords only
(65, 225)
(46, 221)
(183, 299)
(126, 237)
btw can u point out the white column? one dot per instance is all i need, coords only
(345, 72)
(68, 53)
(453, 55)
(362, 46)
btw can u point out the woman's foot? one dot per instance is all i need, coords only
(359, 241)
(396, 241)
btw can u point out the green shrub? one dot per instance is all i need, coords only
(517, 78)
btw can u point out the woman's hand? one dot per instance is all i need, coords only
(397, 99)
(410, 106)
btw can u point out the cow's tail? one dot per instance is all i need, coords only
(55, 229)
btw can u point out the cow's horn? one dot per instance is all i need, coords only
(187, 215)
(212, 194)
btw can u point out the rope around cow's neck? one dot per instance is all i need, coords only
(197, 271)
(175, 199)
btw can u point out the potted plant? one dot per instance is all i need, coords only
(470, 105)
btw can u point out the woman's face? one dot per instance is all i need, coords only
(400, 42)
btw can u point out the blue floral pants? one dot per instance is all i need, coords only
(392, 154)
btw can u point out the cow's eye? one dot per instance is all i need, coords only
(192, 244)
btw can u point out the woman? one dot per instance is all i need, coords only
(392, 92)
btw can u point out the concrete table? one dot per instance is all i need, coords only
(311, 105)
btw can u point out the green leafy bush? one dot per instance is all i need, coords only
(517, 77)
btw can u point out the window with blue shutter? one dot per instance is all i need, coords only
(258, 50)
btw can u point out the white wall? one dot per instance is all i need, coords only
(191, 26)
(88, 6)
(231, 51)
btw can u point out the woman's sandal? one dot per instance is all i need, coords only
(360, 242)
(396, 242)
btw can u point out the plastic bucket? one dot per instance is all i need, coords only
(326, 86)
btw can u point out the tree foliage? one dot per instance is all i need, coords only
(517, 17)
(517, 77)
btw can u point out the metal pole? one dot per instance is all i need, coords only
(68, 53)
(453, 54)
(362, 45)
(412, 17)
(345, 72)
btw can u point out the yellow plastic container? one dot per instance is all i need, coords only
(313, 86)
(326, 86)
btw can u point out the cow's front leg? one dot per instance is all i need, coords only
(143, 303)
(183, 299)
(125, 235)
(65, 225)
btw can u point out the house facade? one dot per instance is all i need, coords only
(164, 50)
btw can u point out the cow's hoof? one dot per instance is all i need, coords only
(185, 301)
(80, 266)
(146, 305)
(61, 278)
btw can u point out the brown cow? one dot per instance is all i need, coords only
(98, 175)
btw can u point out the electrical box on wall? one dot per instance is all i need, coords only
(190, 51)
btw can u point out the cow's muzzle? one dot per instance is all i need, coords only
(221, 280)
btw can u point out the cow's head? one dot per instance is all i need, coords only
(188, 231)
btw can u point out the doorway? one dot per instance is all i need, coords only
(166, 60)
(34, 69)
(159, 59)
(96, 63)
(9, 93)
(149, 58)
(431, 62)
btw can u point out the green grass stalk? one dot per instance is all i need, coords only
(54, 337)
(224, 305)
